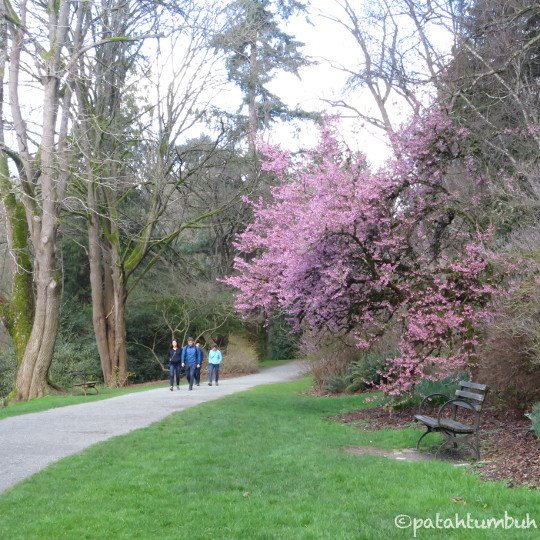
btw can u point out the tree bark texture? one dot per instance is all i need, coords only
(108, 306)
(17, 312)
(32, 377)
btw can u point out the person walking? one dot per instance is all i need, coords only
(214, 361)
(198, 369)
(191, 360)
(175, 361)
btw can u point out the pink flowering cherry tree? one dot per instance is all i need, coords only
(343, 249)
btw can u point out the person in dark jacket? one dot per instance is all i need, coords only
(175, 364)
(198, 370)
(191, 360)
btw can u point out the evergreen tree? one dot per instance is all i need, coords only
(257, 48)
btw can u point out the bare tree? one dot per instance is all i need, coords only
(197, 313)
(45, 41)
(39, 34)
(492, 89)
(137, 175)
(399, 61)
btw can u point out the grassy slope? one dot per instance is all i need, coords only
(62, 400)
(265, 364)
(258, 465)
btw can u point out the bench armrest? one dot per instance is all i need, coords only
(462, 403)
(427, 398)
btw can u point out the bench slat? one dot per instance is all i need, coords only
(455, 426)
(473, 385)
(87, 385)
(467, 405)
(427, 420)
(470, 395)
(445, 423)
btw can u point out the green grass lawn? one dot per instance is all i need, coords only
(273, 363)
(263, 464)
(62, 400)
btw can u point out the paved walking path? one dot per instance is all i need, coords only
(29, 442)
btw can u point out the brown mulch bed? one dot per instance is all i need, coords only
(509, 452)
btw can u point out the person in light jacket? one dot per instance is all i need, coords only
(214, 361)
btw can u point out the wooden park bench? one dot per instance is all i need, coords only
(84, 384)
(458, 419)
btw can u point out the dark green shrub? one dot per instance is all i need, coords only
(76, 267)
(143, 366)
(447, 386)
(336, 384)
(71, 356)
(361, 374)
(366, 372)
(75, 349)
(282, 341)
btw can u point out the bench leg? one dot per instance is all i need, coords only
(471, 441)
(420, 439)
(86, 389)
(445, 443)
(449, 439)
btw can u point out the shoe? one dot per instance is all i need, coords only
(217, 384)
(171, 388)
(191, 387)
(178, 388)
(209, 384)
(197, 384)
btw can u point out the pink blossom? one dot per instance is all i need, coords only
(341, 248)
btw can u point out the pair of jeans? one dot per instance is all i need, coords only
(175, 369)
(198, 374)
(213, 368)
(190, 374)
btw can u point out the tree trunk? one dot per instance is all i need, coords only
(99, 314)
(252, 99)
(17, 313)
(32, 376)
(115, 319)
(108, 306)
(118, 323)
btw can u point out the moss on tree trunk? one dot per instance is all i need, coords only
(17, 312)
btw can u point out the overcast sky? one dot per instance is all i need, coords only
(329, 45)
